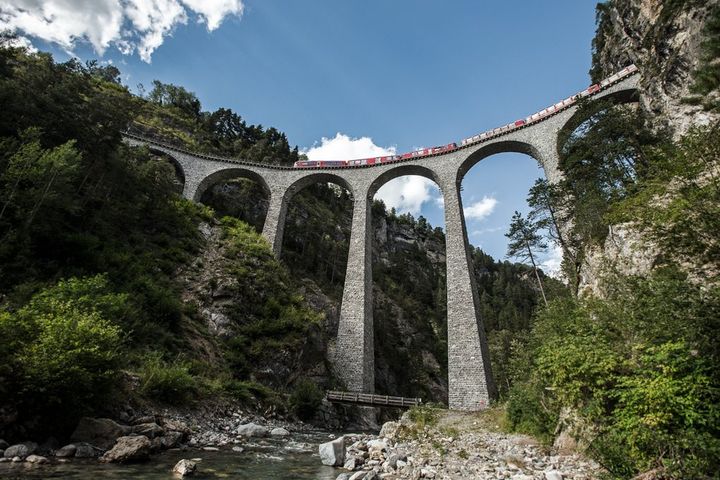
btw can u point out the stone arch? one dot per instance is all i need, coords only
(319, 177)
(617, 97)
(227, 174)
(505, 146)
(179, 170)
(401, 171)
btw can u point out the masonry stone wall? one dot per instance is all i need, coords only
(470, 380)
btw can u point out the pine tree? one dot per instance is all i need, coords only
(524, 240)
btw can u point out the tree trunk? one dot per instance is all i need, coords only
(537, 275)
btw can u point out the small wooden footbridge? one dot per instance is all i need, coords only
(370, 399)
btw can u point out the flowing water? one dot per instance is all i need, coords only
(294, 457)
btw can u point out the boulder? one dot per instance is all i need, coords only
(85, 450)
(150, 430)
(36, 459)
(100, 432)
(128, 449)
(252, 430)
(553, 475)
(184, 468)
(175, 426)
(143, 419)
(3, 444)
(333, 453)
(21, 450)
(343, 476)
(358, 475)
(279, 432)
(350, 464)
(377, 445)
(171, 439)
(389, 430)
(66, 451)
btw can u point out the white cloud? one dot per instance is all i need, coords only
(130, 25)
(551, 264)
(481, 209)
(213, 12)
(408, 194)
(344, 147)
(21, 42)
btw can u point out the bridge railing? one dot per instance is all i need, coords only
(207, 156)
(371, 399)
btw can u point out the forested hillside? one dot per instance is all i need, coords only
(95, 240)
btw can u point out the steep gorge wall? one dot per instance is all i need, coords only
(663, 38)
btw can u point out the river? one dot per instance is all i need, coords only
(293, 457)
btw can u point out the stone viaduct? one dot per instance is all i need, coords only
(470, 380)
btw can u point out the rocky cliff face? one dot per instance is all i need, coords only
(663, 39)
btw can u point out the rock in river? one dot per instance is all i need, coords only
(333, 453)
(252, 430)
(21, 450)
(100, 432)
(128, 449)
(184, 468)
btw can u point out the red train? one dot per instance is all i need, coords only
(481, 137)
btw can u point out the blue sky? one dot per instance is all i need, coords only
(347, 76)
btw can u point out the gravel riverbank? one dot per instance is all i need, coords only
(454, 445)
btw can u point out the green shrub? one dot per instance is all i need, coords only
(528, 413)
(641, 365)
(169, 382)
(61, 350)
(250, 392)
(305, 399)
(424, 415)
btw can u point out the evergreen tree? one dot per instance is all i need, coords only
(525, 243)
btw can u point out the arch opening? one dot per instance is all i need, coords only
(238, 193)
(315, 243)
(588, 108)
(493, 188)
(409, 285)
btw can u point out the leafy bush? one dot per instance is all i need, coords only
(643, 365)
(424, 415)
(62, 350)
(169, 382)
(305, 399)
(528, 411)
